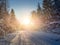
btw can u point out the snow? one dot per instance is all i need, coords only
(33, 38)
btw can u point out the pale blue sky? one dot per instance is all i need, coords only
(24, 7)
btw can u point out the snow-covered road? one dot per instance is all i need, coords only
(28, 37)
(35, 38)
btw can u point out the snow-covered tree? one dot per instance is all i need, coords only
(39, 12)
(52, 9)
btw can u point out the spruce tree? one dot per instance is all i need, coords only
(47, 6)
(12, 13)
(52, 8)
(39, 10)
(57, 9)
(49, 9)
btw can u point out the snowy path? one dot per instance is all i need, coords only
(23, 38)
(35, 38)
(26, 37)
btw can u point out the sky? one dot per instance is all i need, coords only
(23, 7)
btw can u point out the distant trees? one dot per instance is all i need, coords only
(8, 23)
(38, 12)
(50, 11)
(38, 17)
(13, 21)
(34, 14)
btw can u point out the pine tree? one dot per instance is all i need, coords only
(38, 10)
(12, 16)
(34, 14)
(57, 5)
(47, 7)
(57, 9)
(13, 21)
(52, 8)
(12, 13)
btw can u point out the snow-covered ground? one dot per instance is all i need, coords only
(28, 37)
(44, 38)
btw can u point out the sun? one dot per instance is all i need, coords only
(26, 21)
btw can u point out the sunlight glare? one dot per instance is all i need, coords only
(26, 21)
